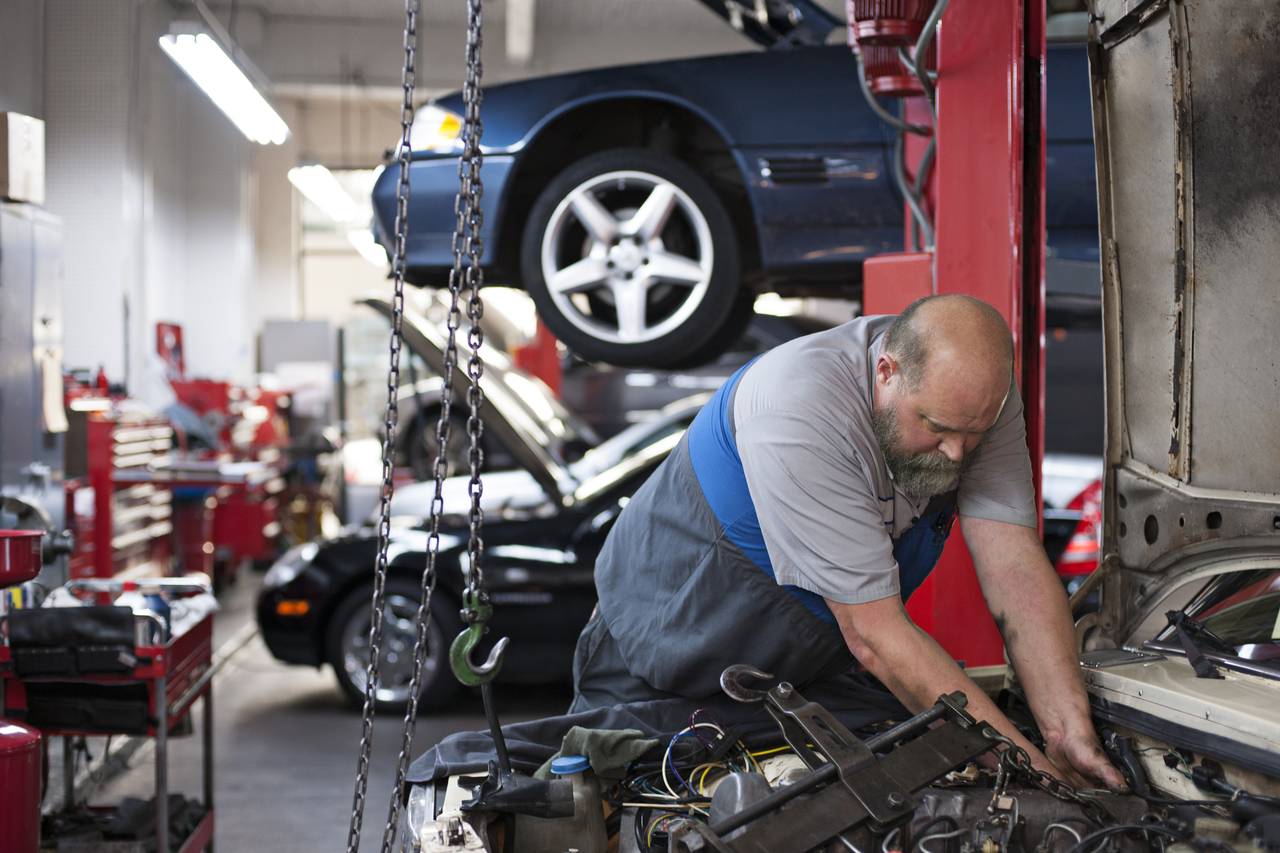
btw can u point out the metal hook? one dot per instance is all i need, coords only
(733, 681)
(476, 612)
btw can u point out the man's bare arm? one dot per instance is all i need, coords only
(1030, 606)
(913, 666)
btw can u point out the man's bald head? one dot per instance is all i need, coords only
(946, 333)
(941, 381)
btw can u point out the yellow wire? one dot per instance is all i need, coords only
(654, 825)
(705, 768)
(763, 752)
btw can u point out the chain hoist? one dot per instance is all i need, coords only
(1015, 761)
(390, 419)
(465, 275)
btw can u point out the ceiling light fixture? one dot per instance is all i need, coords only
(207, 64)
(322, 189)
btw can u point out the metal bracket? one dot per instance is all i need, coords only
(876, 777)
(804, 722)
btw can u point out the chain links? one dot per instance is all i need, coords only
(1014, 761)
(473, 188)
(390, 419)
(468, 221)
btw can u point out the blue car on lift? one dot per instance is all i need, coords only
(644, 207)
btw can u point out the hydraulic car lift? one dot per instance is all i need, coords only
(985, 196)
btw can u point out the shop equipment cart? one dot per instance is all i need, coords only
(173, 675)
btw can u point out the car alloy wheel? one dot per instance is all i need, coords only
(624, 261)
(631, 258)
(349, 647)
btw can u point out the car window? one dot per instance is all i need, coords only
(1242, 609)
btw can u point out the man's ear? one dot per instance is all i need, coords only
(886, 368)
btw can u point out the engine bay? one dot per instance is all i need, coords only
(938, 782)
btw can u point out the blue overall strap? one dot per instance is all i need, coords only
(918, 548)
(718, 467)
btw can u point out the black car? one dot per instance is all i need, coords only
(545, 521)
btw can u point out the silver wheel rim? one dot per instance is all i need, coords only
(395, 668)
(606, 260)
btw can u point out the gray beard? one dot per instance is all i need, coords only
(921, 475)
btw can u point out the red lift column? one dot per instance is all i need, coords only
(987, 195)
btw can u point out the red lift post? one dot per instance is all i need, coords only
(986, 194)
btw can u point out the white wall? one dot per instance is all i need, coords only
(155, 188)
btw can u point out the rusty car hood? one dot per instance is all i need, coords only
(1185, 107)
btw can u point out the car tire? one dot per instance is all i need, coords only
(419, 444)
(680, 267)
(723, 340)
(348, 632)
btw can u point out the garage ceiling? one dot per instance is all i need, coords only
(567, 14)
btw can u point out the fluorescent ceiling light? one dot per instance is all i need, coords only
(368, 247)
(322, 189)
(208, 65)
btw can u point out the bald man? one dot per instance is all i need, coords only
(809, 498)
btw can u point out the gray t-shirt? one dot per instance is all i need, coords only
(828, 508)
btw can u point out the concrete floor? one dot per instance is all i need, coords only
(286, 743)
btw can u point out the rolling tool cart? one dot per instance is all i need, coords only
(104, 669)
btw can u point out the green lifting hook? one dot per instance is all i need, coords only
(475, 612)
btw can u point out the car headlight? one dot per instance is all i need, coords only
(290, 565)
(435, 129)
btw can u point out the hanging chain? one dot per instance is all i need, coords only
(466, 241)
(472, 186)
(390, 419)
(1014, 761)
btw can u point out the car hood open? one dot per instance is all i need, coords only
(777, 23)
(1184, 104)
(527, 421)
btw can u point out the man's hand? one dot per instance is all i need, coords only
(1080, 760)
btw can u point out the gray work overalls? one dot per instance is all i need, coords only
(679, 600)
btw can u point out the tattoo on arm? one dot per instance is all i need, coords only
(1002, 623)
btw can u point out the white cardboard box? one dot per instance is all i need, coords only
(21, 158)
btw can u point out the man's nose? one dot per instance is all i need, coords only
(953, 447)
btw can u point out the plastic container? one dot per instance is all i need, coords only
(584, 832)
(20, 557)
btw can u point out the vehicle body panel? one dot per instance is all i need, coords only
(1185, 160)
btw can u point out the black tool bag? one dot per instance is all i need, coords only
(86, 707)
(70, 641)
